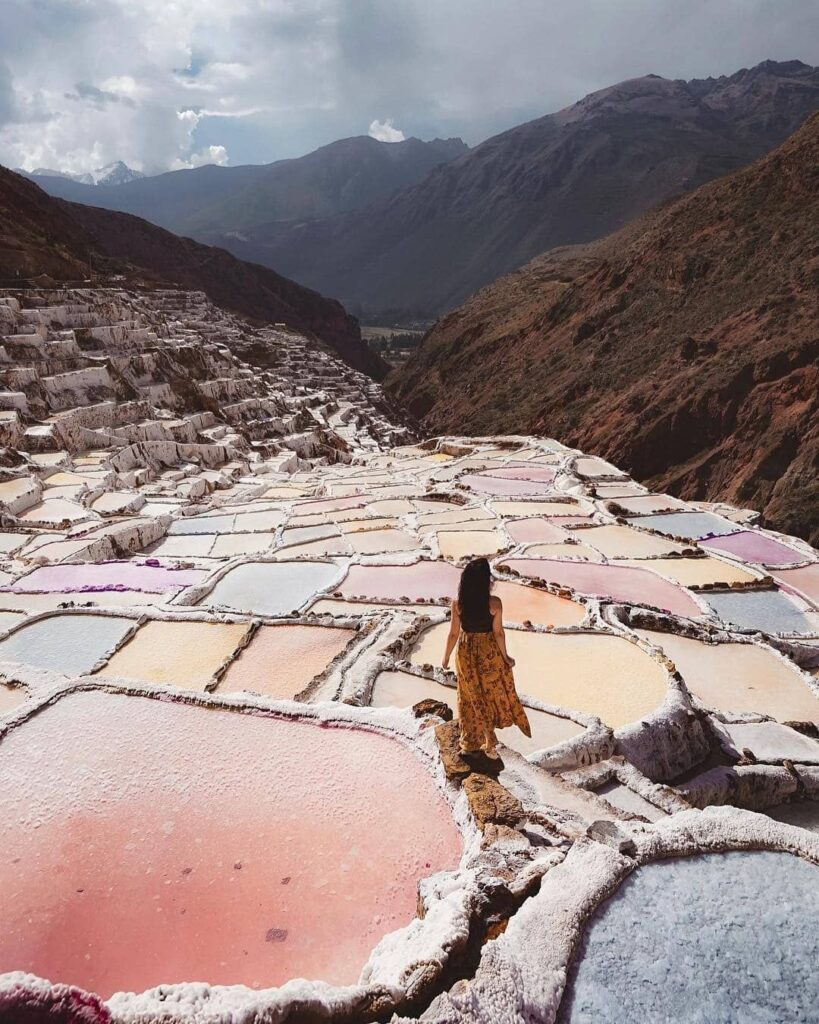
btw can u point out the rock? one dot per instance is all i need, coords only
(491, 803)
(609, 833)
(430, 706)
(448, 736)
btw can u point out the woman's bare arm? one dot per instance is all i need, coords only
(452, 636)
(496, 608)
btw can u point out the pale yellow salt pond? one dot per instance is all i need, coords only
(469, 543)
(615, 541)
(403, 689)
(739, 677)
(337, 606)
(185, 654)
(695, 571)
(281, 660)
(595, 673)
(427, 520)
(565, 550)
(524, 509)
(227, 545)
(374, 542)
(529, 604)
(374, 523)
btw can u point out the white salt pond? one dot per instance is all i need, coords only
(271, 588)
(728, 937)
(768, 610)
(67, 643)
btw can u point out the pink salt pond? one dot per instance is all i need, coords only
(749, 546)
(189, 843)
(80, 577)
(484, 484)
(615, 582)
(430, 580)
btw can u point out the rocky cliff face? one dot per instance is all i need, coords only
(48, 239)
(685, 346)
(566, 178)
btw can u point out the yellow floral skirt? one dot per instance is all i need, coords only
(486, 692)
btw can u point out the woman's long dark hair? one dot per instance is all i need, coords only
(473, 592)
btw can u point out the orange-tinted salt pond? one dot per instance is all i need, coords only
(159, 842)
(281, 660)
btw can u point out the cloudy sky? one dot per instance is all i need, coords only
(173, 83)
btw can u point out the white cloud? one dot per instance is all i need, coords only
(207, 155)
(90, 81)
(385, 131)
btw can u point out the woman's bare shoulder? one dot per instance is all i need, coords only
(495, 603)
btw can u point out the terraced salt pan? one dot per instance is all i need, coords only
(66, 643)
(647, 503)
(701, 918)
(336, 545)
(594, 673)
(592, 467)
(581, 552)
(770, 741)
(30, 603)
(231, 544)
(9, 619)
(335, 606)
(281, 660)
(485, 484)
(804, 813)
(453, 515)
(194, 545)
(616, 541)
(803, 581)
(372, 542)
(739, 677)
(54, 511)
(531, 531)
(524, 509)
(403, 689)
(750, 546)
(430, 579)
(528, 604)
(184, 654)
(202, 524)
(242, 849)
(10, 542)
(271, 588)
(530, 472)
(768, 610)
(614, 582)
(469, 543)
(696, 571)
(693, 525)
(102, 576)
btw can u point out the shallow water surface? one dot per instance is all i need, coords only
(67, 643)
(192, 843)
(680, 941)
(271, 588)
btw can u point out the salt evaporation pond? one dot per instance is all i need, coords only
(185, 654)
(767, 610)
(281, 660)
(80, 577)
(749, 546)
(615, 582)
(485, 484)
(744, 678)
(694, 525)
(431, 580)
(71, 644)
(731, 937)
(804, 581)
(158, 842)
(271, 588)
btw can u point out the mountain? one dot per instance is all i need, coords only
(565, 178)
(209, 201)
(685, 347)
(116, 173)
(43, 239)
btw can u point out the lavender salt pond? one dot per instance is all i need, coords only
(194, 843)
(730, 937)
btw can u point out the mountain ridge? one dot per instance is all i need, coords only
(683, 347)
(47, 239)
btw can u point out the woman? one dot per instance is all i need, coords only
(486, 690)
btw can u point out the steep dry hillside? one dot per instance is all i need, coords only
(685, 347)
(566, 178)
(46, 239)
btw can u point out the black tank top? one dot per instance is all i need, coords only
(480, 624)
